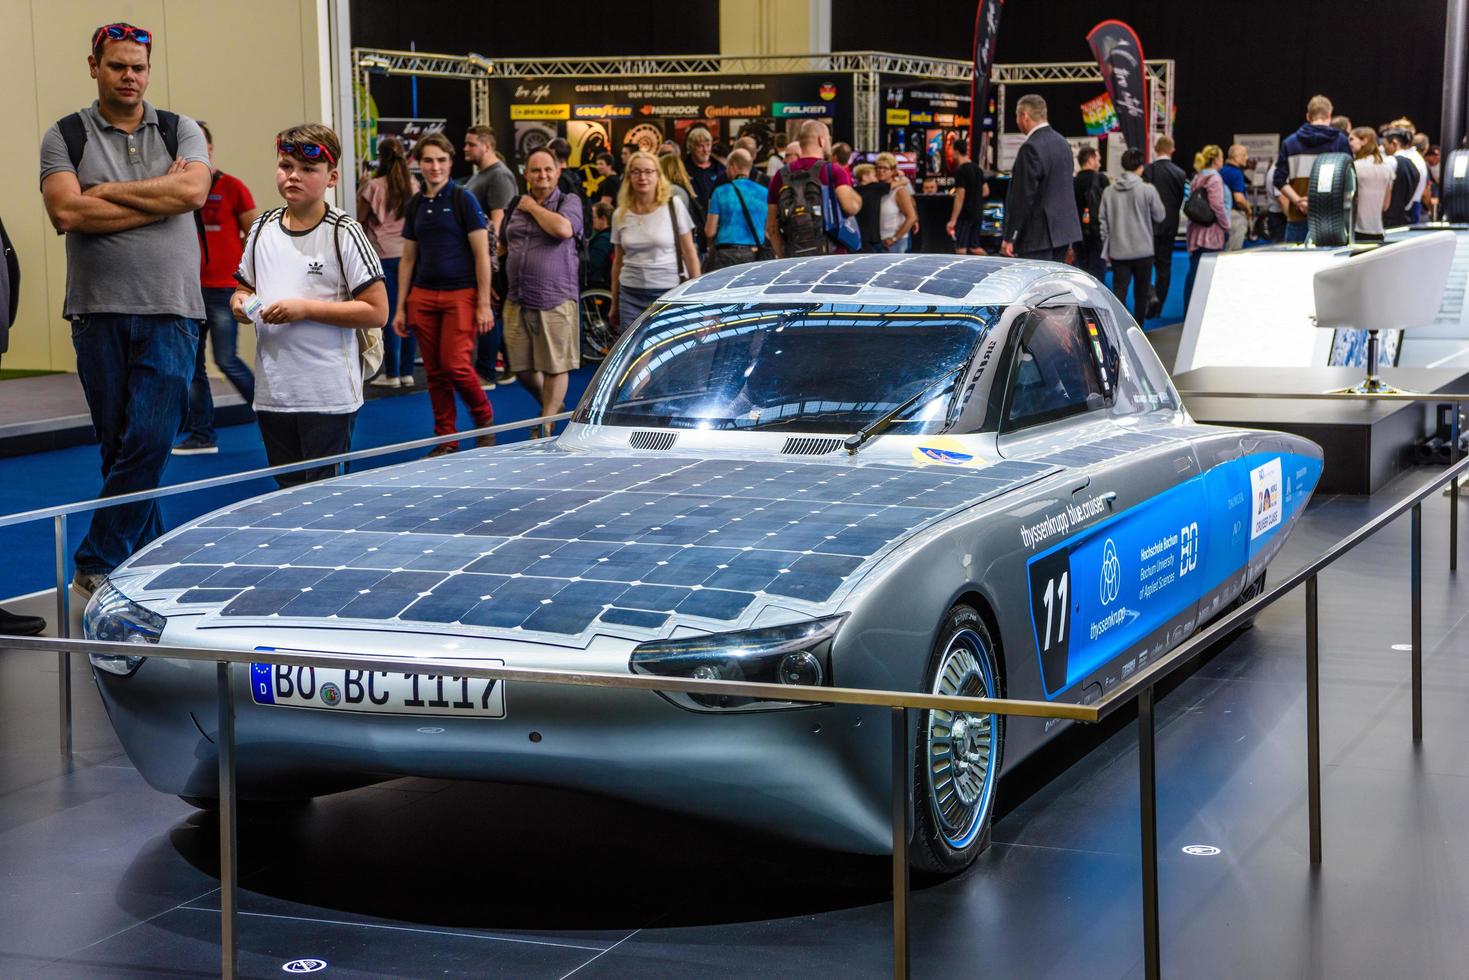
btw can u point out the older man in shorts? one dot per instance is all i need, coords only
(541, 335)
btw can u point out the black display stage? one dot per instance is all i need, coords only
(1366, 443)
(102, 877)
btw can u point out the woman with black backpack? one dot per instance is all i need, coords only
(1208, 221)
(652, 239)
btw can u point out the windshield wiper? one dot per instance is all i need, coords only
(856, 440)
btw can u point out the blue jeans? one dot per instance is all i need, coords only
(1295, 231)
(398, 352)
(135, 372)
(488, 347)
(222, 333)
(1194, 258)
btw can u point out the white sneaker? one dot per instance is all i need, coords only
(406, 380)
(383, 381)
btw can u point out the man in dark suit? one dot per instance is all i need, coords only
(1040, 206)
(1170, 180)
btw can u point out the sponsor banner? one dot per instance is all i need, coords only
(604, 111)
(408, 130)
(554, 111)
(800, 110)
(986, 33)
(897, 117)
(1119, 55)
(645, 107)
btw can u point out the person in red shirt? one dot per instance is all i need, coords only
(227, 215)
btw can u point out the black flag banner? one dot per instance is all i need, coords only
(986, 31)
(1119, 54)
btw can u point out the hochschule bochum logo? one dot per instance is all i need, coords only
(1111, 573)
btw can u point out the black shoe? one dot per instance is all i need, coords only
(193, 446)
(12, 624)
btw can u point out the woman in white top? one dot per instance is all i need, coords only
(897, 216)
(652, 239)
(1374, 183)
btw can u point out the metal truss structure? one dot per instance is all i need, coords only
(866, 66)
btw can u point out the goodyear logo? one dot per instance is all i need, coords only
(790, 110)
(922, 117)
(601, 112)
(550, 111)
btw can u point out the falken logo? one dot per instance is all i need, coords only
(314, 269)
(944, 455)
(1111, 573)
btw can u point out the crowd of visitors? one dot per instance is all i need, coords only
(483, 279)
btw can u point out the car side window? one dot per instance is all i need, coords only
(1061, 367)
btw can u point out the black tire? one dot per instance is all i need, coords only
(1332, 194)
(1455, 198)
(953, 802)
(210, 804)
(597, 336)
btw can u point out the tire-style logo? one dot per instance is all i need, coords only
(1111, 573)
(331, 695)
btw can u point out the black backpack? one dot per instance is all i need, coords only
(74, 134)
(1197, 209)
(799, 213)
(12, 265)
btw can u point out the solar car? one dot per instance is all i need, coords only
(927, 473)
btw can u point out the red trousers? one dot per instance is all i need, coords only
(444, 322)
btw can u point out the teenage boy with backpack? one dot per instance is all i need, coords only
(309, 280)
(795, 220)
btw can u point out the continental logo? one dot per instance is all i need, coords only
(726, 111)
(550, 111)
(601, 112)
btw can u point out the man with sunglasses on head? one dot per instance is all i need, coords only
(121, 180)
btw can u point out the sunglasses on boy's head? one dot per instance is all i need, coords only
(309, 151)
(121, 32)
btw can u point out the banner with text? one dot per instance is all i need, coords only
(1119, 55)
(986, 33)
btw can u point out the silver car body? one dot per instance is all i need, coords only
(1091, 545)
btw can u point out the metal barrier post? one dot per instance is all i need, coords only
(63, 630)
(902, 779)
(1454, 489)
(228, 866)
(1415, 584)
(1148, 787)
(1313, 721)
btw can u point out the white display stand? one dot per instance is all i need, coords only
(1254, 309)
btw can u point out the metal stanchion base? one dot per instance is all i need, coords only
(1371, 386)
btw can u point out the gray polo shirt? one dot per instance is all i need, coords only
(151, 269)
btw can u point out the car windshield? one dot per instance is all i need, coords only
(812, 367)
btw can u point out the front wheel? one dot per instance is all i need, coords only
(958, 755)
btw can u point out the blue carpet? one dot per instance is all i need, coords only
(66, 475)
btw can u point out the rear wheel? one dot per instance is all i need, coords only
(597, 336)
(958, 753)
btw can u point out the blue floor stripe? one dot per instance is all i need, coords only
(65, 475)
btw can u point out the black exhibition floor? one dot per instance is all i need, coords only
(100, 876)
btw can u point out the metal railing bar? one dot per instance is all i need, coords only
(1415, 588)
(1313, 720)
(63, 630)
(541, 675)
(1150, 674)
(1385, 396)
(245, 475)
(902, 775)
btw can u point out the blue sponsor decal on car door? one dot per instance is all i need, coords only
(1096, 594)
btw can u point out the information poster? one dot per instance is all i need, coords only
(923, 119)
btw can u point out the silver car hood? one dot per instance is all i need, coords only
(558, 544)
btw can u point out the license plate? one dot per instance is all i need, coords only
(377, 691)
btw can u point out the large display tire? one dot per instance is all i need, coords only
(1455, 198)
(1330, 216)
(956, 762)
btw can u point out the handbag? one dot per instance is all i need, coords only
(683, 274)
(1197, 208)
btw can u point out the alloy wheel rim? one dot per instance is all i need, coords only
(959, 746)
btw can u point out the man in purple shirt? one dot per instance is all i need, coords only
(541, 265)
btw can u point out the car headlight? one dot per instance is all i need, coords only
(113, 616)
(798, 654)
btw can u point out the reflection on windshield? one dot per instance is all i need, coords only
(813, 367)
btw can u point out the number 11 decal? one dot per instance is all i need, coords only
(1050, 607)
